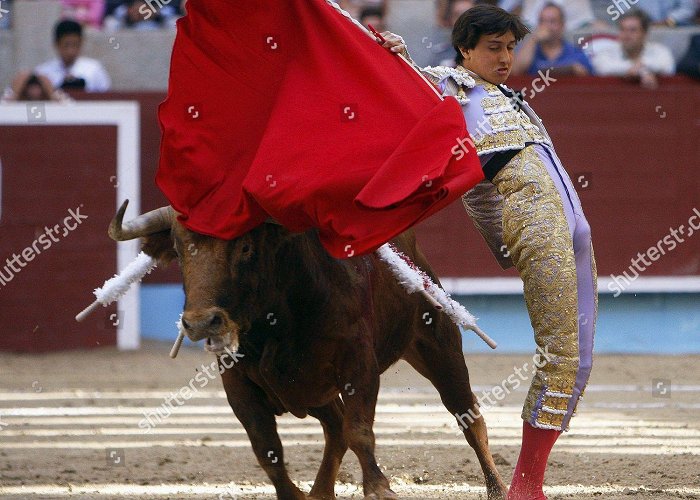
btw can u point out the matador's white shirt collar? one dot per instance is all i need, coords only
(460, 75)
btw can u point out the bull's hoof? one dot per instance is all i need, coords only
(496, 491)
(292, 494)
(497, 495)
(386, 494)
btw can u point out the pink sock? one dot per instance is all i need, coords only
(532, 462)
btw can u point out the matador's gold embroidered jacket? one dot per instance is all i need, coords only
(497, 123)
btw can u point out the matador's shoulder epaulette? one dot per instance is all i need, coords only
(457, 81)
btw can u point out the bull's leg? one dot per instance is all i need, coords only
(331, 418)
(248, 402)
(445, 368)
(359, 389)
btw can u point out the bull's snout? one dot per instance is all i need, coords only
(204, 323)
(213, 324)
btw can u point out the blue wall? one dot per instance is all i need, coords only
(635, 323)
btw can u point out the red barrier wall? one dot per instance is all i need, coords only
(639, 152)
(634, 151)
(637, 149)
(55, 180)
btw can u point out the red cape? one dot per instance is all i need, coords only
(288, 110)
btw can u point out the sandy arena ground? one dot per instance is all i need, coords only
(69, 428)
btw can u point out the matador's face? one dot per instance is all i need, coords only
(492, 58)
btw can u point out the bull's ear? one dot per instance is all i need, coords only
(160, 247)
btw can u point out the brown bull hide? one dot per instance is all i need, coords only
(315, 334)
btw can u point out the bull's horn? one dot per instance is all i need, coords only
(143, 225)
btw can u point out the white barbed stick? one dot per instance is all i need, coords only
(413, 279)
(115, 287)
(180, 337)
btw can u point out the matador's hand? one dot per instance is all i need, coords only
(394, 42)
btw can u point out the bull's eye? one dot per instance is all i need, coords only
(245, 249)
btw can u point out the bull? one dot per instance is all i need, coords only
(315, 334)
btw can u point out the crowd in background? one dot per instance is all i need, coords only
(615, 42)
(612, 37)
(114, 15)
(158, 14)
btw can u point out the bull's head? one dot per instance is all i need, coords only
(224, 288)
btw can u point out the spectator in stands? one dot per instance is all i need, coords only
(86, 12)
(578, 13)
(28, 86)
(546, 48)
(690, 64)
(178, 11)
(139, 15)
(5, 13)
(373, 16)
(379, 4)
(354, 7)
(70, 70)
(351, 7)
(448, 11)
(634, 56)
(662, 12)
(111, 6)
(443, 12)
(457, 8)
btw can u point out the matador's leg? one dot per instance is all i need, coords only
(549, 242)
(586, 275)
